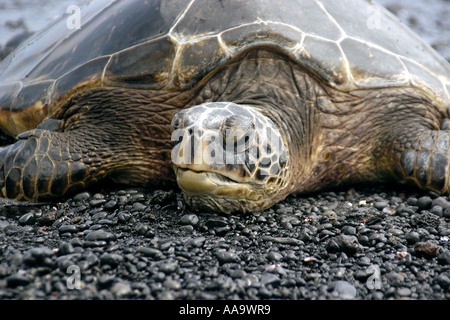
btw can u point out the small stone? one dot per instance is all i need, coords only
(377, 237)
(100, 235)
(105, 281)
(412, 237)
(444, 258)
(94, 244)
(121, 289)
(25, 229)
(36, 256)
(141, 265)
(274, 256)
(239, 273)
(98, 196)
(362, 275)
(16, 280)
(270, 278)
(380, 205)
(166, 295)
(349, 230)
(187, 228)
(168, 266)
(138, 207)
(364, 261)
(412, 201)
(283, 240)
(264, 293)
(189, 219)
(443, 281)
(3, 224)
(172, 284)
(111, 259)
(97, 202)
(99, 215)
(141, 228)
(395, 279)
(389, 211)
(263, 219)
(15, 259)
(216, 222)
(446, 213)
(122, 199)
(312, 276)
(150, 252)
(76, 242)
(344, 290)
(438, 211)
(47, 218)
(82, 196)
(442, 202)
(279, 270)
(348, 244)
(165, 245)
(404, 292)
(424, 202)
(91, 258)
(395, 232)
(140, 288)
(123, 217)
(68, 228)
(197, 242)
(110, 205)
(27, 219)
(426, 249)
(290, 255)
(403, 256)
(158, 276)
(137, 196)
(332, 246)
(63, 262)
(227, 257)
(283, 210)
(330, 214)
(65, 248)
(106, 222)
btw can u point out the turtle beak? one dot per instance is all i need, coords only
(202, 183)
(194, 183)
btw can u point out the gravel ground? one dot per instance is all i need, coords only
(365, 242)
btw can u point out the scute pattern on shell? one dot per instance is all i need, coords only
(174, 44)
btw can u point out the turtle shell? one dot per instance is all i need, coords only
(174, 44)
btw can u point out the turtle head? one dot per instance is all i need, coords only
(229, 157)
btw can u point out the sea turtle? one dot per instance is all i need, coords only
(276, 96)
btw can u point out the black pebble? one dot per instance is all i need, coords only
(27, 219)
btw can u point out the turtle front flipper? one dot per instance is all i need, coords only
(122, 136)
(42, 164)
(423, 159)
